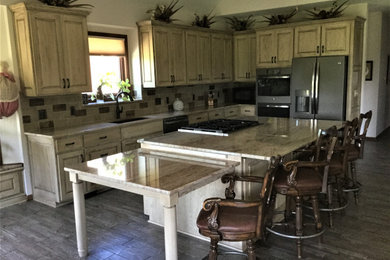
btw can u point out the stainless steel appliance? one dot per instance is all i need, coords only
(273, 92)
(171, 124)
(318, 88)
(219, 127)
(244, 93)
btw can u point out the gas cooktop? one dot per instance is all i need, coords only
(218, 126)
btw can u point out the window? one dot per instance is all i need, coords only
(108, 60)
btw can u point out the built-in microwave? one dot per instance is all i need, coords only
(273, 92)
(244, 93)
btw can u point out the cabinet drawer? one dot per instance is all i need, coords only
(102, 137)
(11, 183)
(216, 114)
(142, 130)
(231, 111)
(198, 117)
(102, 151)
(248, 111)
(69, 143)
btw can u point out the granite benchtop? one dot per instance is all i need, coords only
(273, 136)
(84, 129)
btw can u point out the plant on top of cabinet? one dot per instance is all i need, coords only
(240, 24)
(64, 3)
(205, 21)
(280, 18)
(334, 11)
(163, 13)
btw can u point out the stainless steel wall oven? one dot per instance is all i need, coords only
(273, 92)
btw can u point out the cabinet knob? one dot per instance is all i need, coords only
(249, 75)
(63, 83)
(67, 79)
(318, 49)
(82, 157)
(323, 48)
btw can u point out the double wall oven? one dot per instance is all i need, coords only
(273, 92)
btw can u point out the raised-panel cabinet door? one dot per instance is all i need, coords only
(178, 56)
(252, 57)
(75, 54)
(335, 39)
(265, 48)
(284, 39)
(192, 57)
(204, 57)
(64, 160)
(162, 53)
(307, 41)
(218, 53)
(228, 58)
(241, 57)
(47, 49)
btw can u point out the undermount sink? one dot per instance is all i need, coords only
(129, 120)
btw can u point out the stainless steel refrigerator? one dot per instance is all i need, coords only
(318, 88)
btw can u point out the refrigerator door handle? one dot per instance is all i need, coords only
(317, 87)
(313, 81)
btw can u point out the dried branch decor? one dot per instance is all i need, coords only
(280, 18)
(334, 11)
(204, 21)
(164, 13)
(240, 24)
(64, 3)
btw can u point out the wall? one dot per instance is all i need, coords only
(375, 93)
(13, 143)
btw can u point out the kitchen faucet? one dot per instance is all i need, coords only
(120, 110)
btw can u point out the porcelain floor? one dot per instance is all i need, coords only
(117, 229)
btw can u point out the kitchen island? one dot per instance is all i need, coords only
(251, 147)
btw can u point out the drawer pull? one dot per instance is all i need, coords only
(216, 114)
(231, 112)
(246, 110)
(69, 144)
(82, 158)
(103, 137)
(104, 154)
(198, 118)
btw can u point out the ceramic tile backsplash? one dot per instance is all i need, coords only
(58, 109)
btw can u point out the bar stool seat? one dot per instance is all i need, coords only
(307, 182)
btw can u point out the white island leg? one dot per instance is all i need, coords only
(170, 233)
(79, 213)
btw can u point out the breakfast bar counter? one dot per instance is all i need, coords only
(163, 177)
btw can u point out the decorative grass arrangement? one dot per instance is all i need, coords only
(280, 18)
(205, 21)
(240, 24)
(64, 3)
(164, 13)
(334, 11)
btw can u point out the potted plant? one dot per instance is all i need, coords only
(205, 21)
(280, 18)
(240, 24)
(164, 13)
(333, 12)
(64, 3)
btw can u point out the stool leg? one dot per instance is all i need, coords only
(250, 250)
(330, 203)
(316, 212)
(213, 249)
(298, 224)
(354, 182)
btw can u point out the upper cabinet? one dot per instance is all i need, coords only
(222, 57)
(274, 48)
(245, 57)
(163, 55)
(198, 55)
(52, 48)
(326, 39)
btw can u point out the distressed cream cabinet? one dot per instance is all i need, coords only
(222, 57)
(274, 47)
(198, 57)
(52, 46)
(323, 39)
(163, 59)
(245, 57)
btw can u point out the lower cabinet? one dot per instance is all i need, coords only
(63, 160)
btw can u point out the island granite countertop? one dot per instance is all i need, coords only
(273, 136)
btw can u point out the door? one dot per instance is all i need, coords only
(198, 55)
(177, 56)
(331, 94)
(64, 160)
(265, 41)
(228, 58)
(303, 87)
(335, 38)
(47, 49)
(162, 52)
(204, 57)
(284, 42)
(217, 43)
(75, 54)
(245, 57)
(193, 75)
(307, 41)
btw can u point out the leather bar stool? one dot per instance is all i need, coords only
(355, 152)
(237, 220)
(299, 179)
